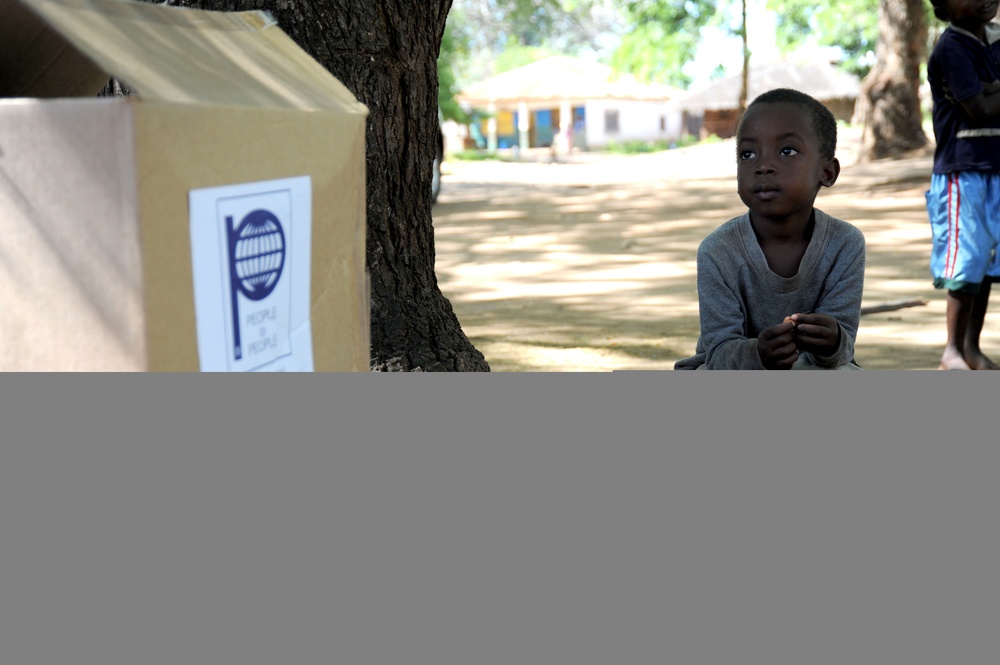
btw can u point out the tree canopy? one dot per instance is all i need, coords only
(663, 37)
(850, 25)
(651, 39)
(486, 37)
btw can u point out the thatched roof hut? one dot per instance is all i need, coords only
(716, 106)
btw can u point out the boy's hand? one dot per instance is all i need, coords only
(949, 96)
(817, 333)
(776, 345)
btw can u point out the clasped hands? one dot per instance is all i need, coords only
(779, 346)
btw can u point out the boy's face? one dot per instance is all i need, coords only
(779, 165)
(976, 11)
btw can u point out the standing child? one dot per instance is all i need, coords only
(964, 199)
(780, 286)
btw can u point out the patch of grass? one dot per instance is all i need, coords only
(478, 156)
(641, 147)
(636, 147)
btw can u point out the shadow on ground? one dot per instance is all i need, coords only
(591, 266)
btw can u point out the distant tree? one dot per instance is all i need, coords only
(890, 95)
(850, 25)
(386, 53)
(662, 38)
(496, 23)
(885, 43)
(454, 49)
(493, 36)
(566, 26)
(516, 55)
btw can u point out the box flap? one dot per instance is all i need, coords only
(193, 56)
(35, 60)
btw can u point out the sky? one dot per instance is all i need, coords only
(717, 47)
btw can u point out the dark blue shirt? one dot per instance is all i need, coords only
(961, 61)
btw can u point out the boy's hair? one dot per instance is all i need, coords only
(940, 11)
(823, 122)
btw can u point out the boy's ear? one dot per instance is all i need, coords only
(831, 171)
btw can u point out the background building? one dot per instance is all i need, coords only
(715, 109)
(565, 102)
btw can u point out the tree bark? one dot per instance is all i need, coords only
(889, 105)
(385, 52)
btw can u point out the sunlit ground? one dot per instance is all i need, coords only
(589, 265)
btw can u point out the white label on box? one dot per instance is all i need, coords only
(250, 253)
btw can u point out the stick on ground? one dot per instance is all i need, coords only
(892, 306)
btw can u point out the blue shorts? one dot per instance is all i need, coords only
(964, 210)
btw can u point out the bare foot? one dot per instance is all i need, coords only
(952, 361)
(980, 361)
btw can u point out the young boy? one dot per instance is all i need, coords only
(780, 286)
(964, 199)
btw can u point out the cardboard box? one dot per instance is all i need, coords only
(129, 227)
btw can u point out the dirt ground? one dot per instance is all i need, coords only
(588, 264)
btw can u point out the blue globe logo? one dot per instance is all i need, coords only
(256, 259)
(258, 254)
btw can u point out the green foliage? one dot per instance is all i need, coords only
(515, 56)
(851, 25)
(479, 156)
(506, 32)
(528, 22)
(486, 37)
(655, 52)
(643, 147)
(636, 147)
(563, 25)
(677, 13)
(453, 48)
(654, 39)
(663, 38)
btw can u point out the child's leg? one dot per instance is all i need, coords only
(963, 239)
(959, 312)
(973, 355)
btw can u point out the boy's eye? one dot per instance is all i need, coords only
(789, 151)
(746, 154)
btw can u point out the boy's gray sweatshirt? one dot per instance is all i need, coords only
(739, 296)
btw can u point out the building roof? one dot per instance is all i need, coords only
(558, 78)
(820, 79)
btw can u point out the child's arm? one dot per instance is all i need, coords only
(989, 88)
(984, 105)
(721, 311)
(962, 86)
(829, 333)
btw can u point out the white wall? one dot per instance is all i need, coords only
(454, 136)
(637, 121)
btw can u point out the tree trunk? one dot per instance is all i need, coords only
(385, 52)
(745, 76)
(889, 105)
